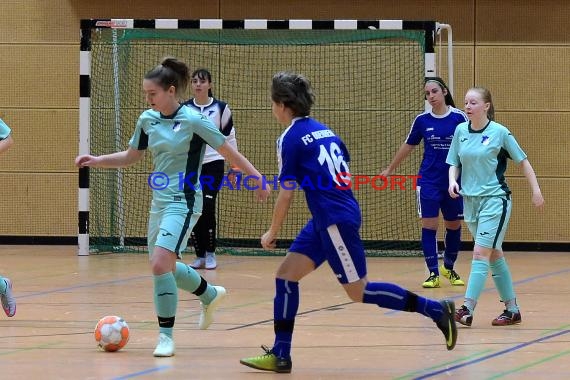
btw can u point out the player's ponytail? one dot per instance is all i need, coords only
(171, 72)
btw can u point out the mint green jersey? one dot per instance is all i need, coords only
(482, 157)
(4, 130)
(177, 145)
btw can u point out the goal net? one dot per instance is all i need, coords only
(368, 80)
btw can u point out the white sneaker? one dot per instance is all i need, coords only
(8, 300)
(207, 315)
(198, 263)
(165, 346)
(211, 261)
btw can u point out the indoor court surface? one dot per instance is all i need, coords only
(61, 297)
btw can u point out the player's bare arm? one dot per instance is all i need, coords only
(114, 160)
(280, 211)
(537, 198)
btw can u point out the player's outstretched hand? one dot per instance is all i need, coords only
(86, 160)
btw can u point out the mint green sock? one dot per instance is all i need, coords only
(476, 283)
(165, 301)
(504, 283)
(191, 281)
(3, 285)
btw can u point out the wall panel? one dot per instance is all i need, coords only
(45, 76)
(524, 22)
(33, 21)
(40, 204)
(543, 136)
(532, 225)
(525, 78)
(46, 140)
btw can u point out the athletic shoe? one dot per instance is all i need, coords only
(207, 315)
(268, 362)
(447, 323)
(464, 316)
(432, 281)
(507, 318)
(199, 263)
(211, 261)
(165, 346)
(8, 300)
(452, 276)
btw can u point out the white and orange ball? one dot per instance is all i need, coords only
(111, 333)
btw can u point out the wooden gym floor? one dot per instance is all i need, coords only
(61, 296)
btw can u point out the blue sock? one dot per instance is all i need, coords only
(392, 296)
(476, 283)
(452, 243)
(504, 283)
(285, 306)
(429, 247)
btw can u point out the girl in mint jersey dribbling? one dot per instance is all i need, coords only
(435, 127)
(309, 151)
(176, 136)
(479, 152)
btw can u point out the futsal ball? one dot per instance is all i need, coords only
(111, 333)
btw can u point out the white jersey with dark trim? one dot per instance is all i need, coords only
(220, 114)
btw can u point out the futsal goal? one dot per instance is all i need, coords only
(368, 78)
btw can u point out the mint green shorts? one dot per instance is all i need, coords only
(170, 226)
(487, 219)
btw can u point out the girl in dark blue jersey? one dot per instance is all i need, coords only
(310, 153)
(436, 128)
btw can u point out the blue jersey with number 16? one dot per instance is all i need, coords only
(317, 159)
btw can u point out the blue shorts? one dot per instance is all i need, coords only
(339, 244)
(431, 200)
(487, 219)
(170, 226)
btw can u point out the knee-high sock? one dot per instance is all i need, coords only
(285, 306)
(452, 244)
(429, 247)
(165, 301)
(392, 296)
(504, 283)
(476, 283)
(191, 281)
